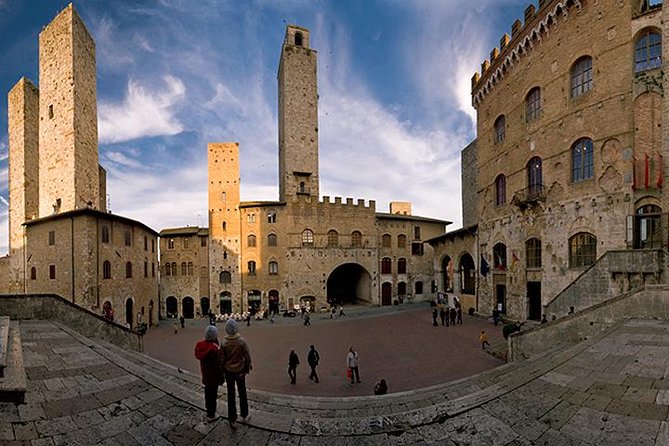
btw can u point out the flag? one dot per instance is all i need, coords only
(485, 268)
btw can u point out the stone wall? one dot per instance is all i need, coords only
(55, 308)
(652, 302)
(614, 273)
(469, 185)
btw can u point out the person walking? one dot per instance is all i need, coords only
(293, 362)
(442, 315)
(453, 314)
(459, 315)
(307, 319)
(352, 362)
(495, 316)
(434, 317)
(341, 311)
(182, 321)
(313, 358)
(206, 351)
(235, 360)
(483, 339)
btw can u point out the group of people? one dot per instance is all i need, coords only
(313, 358)
(227, 363)
(448, 316)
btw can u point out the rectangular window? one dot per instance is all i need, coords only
(417, 249)
(153, 245)
(52, 272)
(185, 243)
(146, 243)
(153, 269)
(170, 243)
(146, 269)
(128, 238)
(105, 234)
(416, 232)
(203, 241)
(251, 218)
(52, 238)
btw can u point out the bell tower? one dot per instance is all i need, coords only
(298, 117)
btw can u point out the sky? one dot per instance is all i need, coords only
(394, 80)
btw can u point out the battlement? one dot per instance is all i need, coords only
(524, 36)
(360, 203)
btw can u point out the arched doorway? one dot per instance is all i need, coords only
(467, 275)
(225, 302)
(647, 232)
(447, 274)
(349, 283)
(188, 307)
(254, 300)
(151, 312)
(171, 307)
(204, 305)
(308, 302)
(386, 293)
(128, 312)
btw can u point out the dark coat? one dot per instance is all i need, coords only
(207, 353)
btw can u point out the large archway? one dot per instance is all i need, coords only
(225, 302)
(204, 305)
(188, 307)
(171, 307)
(128, 312)
(348, 284)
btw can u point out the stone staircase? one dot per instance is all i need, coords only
(348, 416)
(12, 372)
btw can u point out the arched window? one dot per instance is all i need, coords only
(271, 239)
(500, 124)
(419, 287)
(582, 250)
(273, 268)
(499, 256)
(190, 268)
(106, 269)
(33, 273)
(252, 267)
(533, 253)
(224, 226)
(128, 270)
(401, 266)
(535, 176)
(648, 51)
(386, 240)
(203, 271)
(402, 288)
(168, 269)
(647, 234)
(386, 265)
(581, 76)
(467, 274)
(174, 268)
(185, 242)
(251, 241)
(224, 277)
(533, 104)
(401, 241)
(307, 237)
(170, 243)
(333, 238)
(271, 217)
(582, 162)
(356, 239)
(500, 190)
(184, 269)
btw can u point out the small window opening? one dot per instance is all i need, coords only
(50, 111)
(298, 39)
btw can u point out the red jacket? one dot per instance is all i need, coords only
(207, 353)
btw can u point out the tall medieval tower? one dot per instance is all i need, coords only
(68, 131)
(224, 223)
(298, 117)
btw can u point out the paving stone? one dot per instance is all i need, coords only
(607, 390)
(282, 439)
(640, 382)
(183, 434)
(586, 425)
(112, 411)
(70, 406)
(640, 410)
(42, 442)
(322, 441)
(559, 415)
(627, 430)
(55, 426)
(9, 412)
(641, 395)
(597, 402)
(662, 434)
(25, 431)
(529, 428)
(115, 426)
(662, 397)
(31, 412)
(6, 431)
(81, 437)
(88, 418)
(125, 439)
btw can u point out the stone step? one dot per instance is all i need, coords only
(13, 383)
(4, 343)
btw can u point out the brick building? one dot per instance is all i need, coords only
(300, 250)
(62, 240)
(568, 159)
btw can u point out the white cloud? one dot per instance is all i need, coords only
(142, 113)
(122, 159)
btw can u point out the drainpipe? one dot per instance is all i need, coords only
(72, 253)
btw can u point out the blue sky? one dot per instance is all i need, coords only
(394, 84)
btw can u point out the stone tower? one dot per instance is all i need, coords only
(68, 132)
(23, 126)
(224, 222)
(298, 117)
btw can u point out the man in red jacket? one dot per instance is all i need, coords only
(207, 352)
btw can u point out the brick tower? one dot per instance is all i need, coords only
(68, 132)
(224, 223)
(23, 126)
(298, 117)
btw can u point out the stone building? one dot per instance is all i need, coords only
(569, 159)
(62, 240)
(301, 249)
